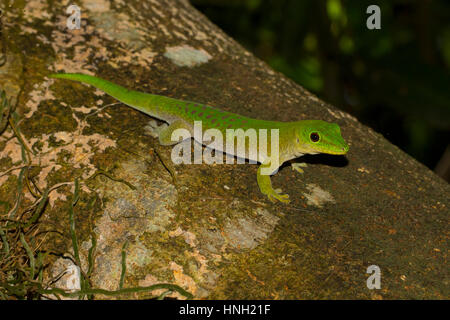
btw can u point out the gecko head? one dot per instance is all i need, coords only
(317, 136)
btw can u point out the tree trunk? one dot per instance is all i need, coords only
(205, 228)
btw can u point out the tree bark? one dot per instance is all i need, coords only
(205, 228)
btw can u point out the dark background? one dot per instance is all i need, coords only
(395, 80)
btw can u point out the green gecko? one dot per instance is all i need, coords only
(295, 138)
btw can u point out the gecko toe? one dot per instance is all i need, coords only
(298, 167)
(277, 195)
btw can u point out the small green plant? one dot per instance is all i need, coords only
(22, 261)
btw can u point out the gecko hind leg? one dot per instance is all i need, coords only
(165, 134)
(153, 129)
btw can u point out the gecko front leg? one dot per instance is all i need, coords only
(265, 185)
(297, 166)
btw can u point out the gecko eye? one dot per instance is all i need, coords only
(314, 136)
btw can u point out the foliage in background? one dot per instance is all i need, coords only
(395, 80)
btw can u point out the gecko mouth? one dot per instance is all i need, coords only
(341, 152)
(335, 151)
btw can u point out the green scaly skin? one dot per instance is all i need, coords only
(295, 138)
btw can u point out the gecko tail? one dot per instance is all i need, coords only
(137, 100)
